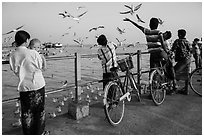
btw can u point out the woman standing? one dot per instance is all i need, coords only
(27, 65)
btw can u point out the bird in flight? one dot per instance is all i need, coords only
(80, 7)
(160, 21)
(95, 45)
(77, 18)
(95, 28)
(120, 30)
(80, 42)
(139, 19)
(14, 30)
(65, 34)
(70, 27)
(120, 41)
(132, 9)
(64, 15)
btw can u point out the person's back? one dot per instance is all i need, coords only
(181, 47)
(107, 55)
(27, 65)
(153, 38)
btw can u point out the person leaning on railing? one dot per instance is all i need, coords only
(155, 39)
(107, 55)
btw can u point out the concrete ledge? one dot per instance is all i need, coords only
(78, 110)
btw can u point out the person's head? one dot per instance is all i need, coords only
(21, 37)
(102, 40)
(35, 44)
(196, 40)
(167, 35)
(181, 33)
(153, 24)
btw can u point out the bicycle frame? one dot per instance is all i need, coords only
(128, 77)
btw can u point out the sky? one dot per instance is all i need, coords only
(42, 20)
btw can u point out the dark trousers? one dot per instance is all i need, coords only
(108, 76)
(32, 111)
(198, 61)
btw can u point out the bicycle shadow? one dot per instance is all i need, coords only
(145, 101)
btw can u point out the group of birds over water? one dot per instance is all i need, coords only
(131, 10)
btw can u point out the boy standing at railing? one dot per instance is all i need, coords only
(155, 39)
(107, 55)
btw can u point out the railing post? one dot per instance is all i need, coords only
(139, 69)
(77, 75)
(78, 109)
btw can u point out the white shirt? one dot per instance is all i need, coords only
(107, 55)
(27, 65)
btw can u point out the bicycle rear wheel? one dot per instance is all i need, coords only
(113, 107)
(157, 89)
(196, 81)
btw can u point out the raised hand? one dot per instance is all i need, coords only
(126, 19)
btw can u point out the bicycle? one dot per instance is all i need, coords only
(115, 92)
(160, 83)
(195, 81)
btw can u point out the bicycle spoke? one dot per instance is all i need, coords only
(114, 108)
(157, 91)
(196, 81)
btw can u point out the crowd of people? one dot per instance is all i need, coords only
(28, 64)
(181, 49)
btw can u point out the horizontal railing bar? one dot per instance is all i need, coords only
(69, 57)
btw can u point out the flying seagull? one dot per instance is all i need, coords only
(139, 19)
(64, 15)
(95, 45)
(160, 21)
(80, 42)
(14, 30)
(77, 18)
(80, 7)
(132, 9)
(65, 34)
(70, 27)
(120, 30)
(95, 28)
(120, 41)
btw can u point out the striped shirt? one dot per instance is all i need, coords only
(107, 55)
(152, 38)
(27, 65)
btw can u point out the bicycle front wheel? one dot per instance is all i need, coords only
(196, 81)
(157, 89)
(113, 107)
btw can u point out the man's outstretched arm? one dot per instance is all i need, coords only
(138, 26)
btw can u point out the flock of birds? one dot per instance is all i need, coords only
(131, 10)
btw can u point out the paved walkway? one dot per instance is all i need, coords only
(178, 115)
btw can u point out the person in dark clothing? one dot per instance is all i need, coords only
(181, 47)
